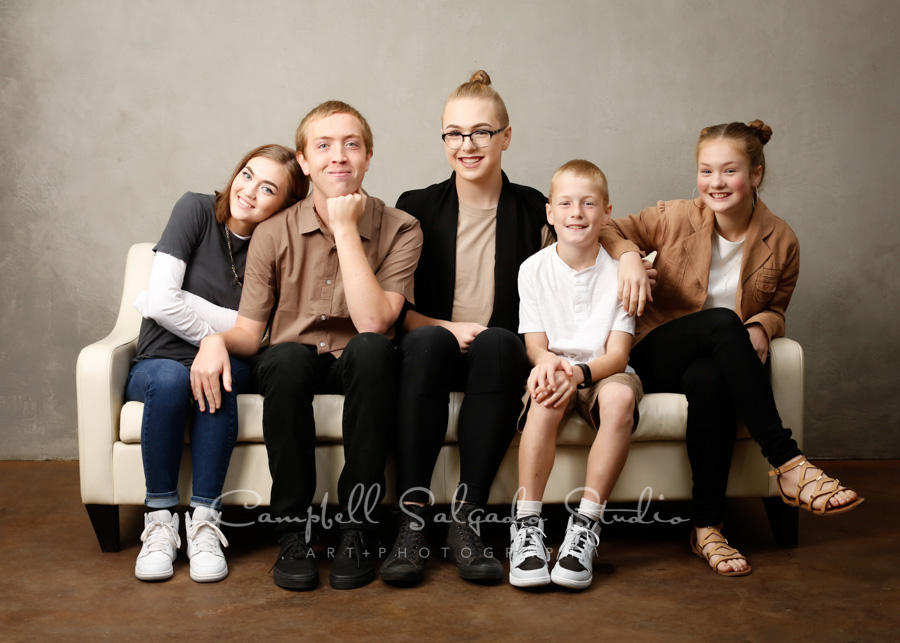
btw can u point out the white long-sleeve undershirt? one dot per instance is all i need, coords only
(184, 314)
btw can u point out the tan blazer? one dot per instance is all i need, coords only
(682, 233)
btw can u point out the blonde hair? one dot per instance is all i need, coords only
(585, 170)
(326, 109)
(479, 86)
(750, 137)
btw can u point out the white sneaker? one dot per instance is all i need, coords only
(161, 543)
(575, 561)
(203, 537)
(528, 556)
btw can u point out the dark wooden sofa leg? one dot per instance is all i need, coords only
(784, 520)
(105, 519)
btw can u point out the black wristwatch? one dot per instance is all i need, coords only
(588, 380)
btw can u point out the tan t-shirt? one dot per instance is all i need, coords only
(293, 278)
(476, 242)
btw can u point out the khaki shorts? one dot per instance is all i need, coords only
(585, 400)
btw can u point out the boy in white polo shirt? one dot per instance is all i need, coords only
(578, 337)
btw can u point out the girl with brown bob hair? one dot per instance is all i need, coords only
(194, 290)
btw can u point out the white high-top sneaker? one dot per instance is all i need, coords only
(575, 561)
(161, 543)
(203, 538)
(528, 555)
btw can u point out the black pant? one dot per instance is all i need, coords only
(708, 357)
(492, 375)
(289, 375)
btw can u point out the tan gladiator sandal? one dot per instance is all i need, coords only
(720, 547)
(825, 486)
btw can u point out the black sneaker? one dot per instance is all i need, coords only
(406, 562)
(354, 564)
(296, 565)
(467, 551)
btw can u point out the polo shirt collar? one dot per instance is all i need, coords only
(309, 222)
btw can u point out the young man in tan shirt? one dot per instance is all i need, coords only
(329, 276)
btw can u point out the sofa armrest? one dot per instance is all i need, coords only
(100, 375)
(786, 374)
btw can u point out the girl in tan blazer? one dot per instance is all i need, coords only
(726, 269)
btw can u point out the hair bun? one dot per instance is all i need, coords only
(763, 131)
(480, 76)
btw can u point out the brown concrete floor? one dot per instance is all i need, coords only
(841, 584)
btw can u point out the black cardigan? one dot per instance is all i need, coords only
(521, 216)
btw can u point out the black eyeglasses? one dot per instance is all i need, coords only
(480, 138)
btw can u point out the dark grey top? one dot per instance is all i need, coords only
(193, 235)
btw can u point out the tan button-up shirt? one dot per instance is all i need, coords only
(293, 277)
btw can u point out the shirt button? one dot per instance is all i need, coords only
(324, 318)
(328, 282)
(322, 344)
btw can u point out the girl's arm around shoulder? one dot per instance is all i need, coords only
(645, 232)
(651, 227)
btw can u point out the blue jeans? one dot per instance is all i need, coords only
(164, 386)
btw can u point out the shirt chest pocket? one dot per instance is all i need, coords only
(767, 280)
(670, 276)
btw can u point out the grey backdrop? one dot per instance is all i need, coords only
(112, 109)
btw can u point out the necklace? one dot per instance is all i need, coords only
(734, 262)
(230, 256)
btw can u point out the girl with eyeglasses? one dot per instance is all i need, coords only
(460, 335)
(194, 290)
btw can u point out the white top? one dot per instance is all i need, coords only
(575, 309)
(182, 313)
(724, 273)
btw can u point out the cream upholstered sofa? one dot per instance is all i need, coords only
(657, 467)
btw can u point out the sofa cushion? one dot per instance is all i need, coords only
(328, 411)
(663, 417)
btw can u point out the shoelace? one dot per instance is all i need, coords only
(578, 541)
(352, 545)
(469, 537)
(203, 535)
(296, 548)
(408, 540)
(527, 545)
(158, 534)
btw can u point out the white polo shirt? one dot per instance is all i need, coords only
(575, 309)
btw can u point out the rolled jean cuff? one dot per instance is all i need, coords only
(162, 500)
(212, 503)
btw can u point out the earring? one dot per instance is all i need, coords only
(693, 192)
